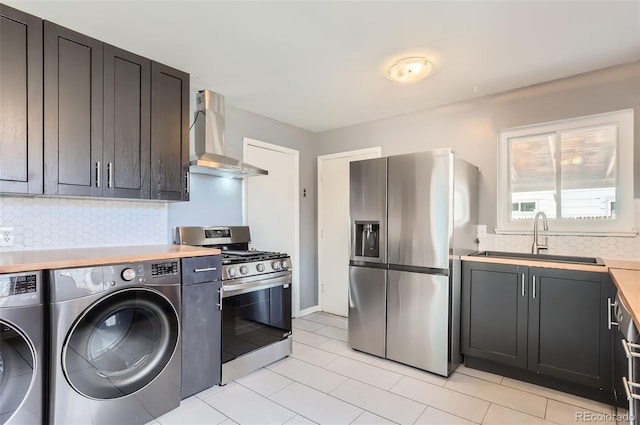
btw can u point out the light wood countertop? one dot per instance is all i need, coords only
(536, 263)
(626, 276)
(23, 261)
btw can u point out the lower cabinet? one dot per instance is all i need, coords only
(551, 322)
(201, 323)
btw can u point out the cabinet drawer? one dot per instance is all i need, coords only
(201, 269)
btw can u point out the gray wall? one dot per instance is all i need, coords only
(471, 127)
(218, 201)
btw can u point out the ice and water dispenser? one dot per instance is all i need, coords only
(367, 239)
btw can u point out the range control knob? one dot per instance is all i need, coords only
(231, 271)
(243, 270)
(128, 274)
(285, 264)
(260, 267)
(276, 265)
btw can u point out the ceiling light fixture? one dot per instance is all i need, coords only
(408, 70)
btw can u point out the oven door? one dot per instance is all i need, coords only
(255, 313)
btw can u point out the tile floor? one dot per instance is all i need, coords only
(325, 382)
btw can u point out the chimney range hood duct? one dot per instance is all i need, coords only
(209, 141)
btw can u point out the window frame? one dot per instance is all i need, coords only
(622, 225)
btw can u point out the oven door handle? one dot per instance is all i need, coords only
(243, 288)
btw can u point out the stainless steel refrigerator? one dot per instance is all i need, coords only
(412, 217)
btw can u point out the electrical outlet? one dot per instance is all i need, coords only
(6, 236)
(482, 231)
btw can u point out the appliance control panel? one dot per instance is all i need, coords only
(17, 285)
(169, 268)
(20, 289)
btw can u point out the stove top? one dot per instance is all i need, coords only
(237, 257)
(238, 261)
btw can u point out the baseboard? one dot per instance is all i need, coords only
(309, 310)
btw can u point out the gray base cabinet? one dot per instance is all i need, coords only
(551, 322)
(201, 323)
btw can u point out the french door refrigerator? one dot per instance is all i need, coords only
(412, 217)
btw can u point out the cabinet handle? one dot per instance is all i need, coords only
(534, 286)
(187, 187)
(522, 284)
(610, 305)
(629, 347)
(98, 174)
(628, 385)
(219, 305)
(109, 175)
(208, 269)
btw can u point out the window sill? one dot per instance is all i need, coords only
(622, 234)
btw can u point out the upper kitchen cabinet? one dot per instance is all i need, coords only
(116, 124)
(20, 102)
(169, 133)
(127, 114)
(73, 108)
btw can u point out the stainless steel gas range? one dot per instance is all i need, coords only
(255, 298)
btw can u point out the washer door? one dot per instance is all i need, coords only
(16, 369)
(120, 344)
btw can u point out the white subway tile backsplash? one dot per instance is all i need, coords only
(52, 223)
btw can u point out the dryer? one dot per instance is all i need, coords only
(115, 343)
(21, 349)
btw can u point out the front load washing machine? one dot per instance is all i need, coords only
(115, 343)
(21, 349)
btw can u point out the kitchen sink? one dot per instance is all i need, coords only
(594, 261)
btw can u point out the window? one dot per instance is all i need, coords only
(578, 171)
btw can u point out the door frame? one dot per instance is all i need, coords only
(295, 255)
(321, 158)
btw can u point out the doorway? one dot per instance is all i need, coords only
(272, 204)
(334, 228)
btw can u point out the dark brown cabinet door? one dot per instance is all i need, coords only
(494, 312)
(169, 133)
(20, 102)
(568, 333)
(72, 112)
(127, 121)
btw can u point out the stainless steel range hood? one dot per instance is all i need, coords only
(210, 143)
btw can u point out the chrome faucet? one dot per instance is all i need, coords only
(536, 247)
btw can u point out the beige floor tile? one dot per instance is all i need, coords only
(213, 390)
(264, 382)
(335, 333)
(309, 338)
(363, 372)
(247, 407)
(306, 325)
(563, 413)
(342, 349)
(315, 405)
(308, 374)
(312, 355)
(331, 320)
(192, 411)
(557, 395)
(453, 402)
(499, 394)
(383, 403)
(500, 415)
(479, 374)
(299, 420)
(405, 370)
(368, 418)
(433, 416)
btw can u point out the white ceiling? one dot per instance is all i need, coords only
(319, 65)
